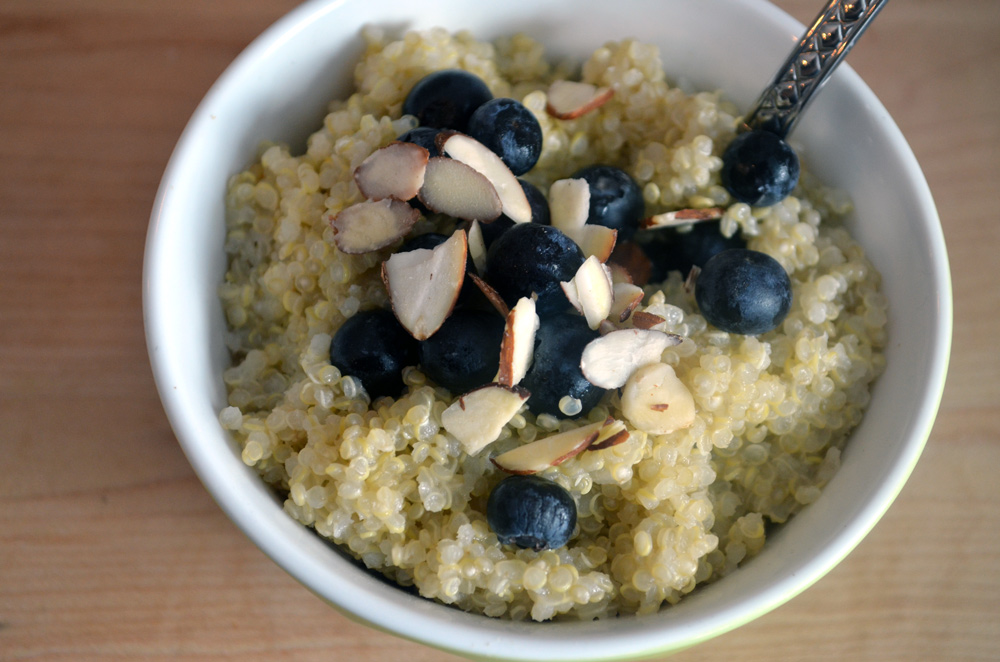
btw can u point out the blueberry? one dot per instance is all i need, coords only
(510, 131)
(465, 352)
(495, 228)
(615, 199)
(743, 291)
(671, 250)
(531, 512)
(446, 99)
(374, 347)
(423, 136)
(539, 204)
(539, 214)
(555, 367)
(759, 168)
(533, 258)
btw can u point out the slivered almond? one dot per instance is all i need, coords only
(619, 274)
(610, 360)
(424, 284)
(394, 171)
(630, 256)
(370, 225)
(606, 327)
(491, 294)
(596, 240)
(569, 204)
(643, 320)
(656, 401)
(549, 451)
(477, 247)
(692, 278)
(613, 433)
(518, 344)
(477, 418)
(590, 291)
(570, 99)
(627, 298)
(682, 217)
(456, 189)
(481, 158)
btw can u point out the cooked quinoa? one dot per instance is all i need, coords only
(658, 514)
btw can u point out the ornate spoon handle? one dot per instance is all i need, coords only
(824, 45)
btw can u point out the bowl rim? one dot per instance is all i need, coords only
(419, 619)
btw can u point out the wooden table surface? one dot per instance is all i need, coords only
(111, 549)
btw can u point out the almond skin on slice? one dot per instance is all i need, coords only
(610, 360)
(518, 344)
(547, 452)
(568, 99)
(453, 188)
(481, 158)
(370, 225)
(590, 291)
(627, 299)
(682, 217)
(394, 171)
(424, 284)
(477, 418)
(569, 204)
(656, 401)
(613, 433)
(491, 294)
(643, 320)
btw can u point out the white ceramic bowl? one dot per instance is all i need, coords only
(277, 89)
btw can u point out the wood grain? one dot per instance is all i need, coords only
(110, 548)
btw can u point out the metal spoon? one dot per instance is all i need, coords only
(824, 45)
(759, 168)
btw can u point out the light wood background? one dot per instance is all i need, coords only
(110, 548)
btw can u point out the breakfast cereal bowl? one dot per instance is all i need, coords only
(279, 90)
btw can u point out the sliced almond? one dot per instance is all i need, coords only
(682, 217)
(518, 345)
(590, 291)
(619, 274)
(481, 158)
(568, 99)
(656, 401)
(627, 298)
(370, 225)
(569, 204)
(491, 294)
(549, 451)
(692, 278)
(606, 327)
(456, 189)
(424, 284)
(643, 320)
(477, 418)
(596, 240)
(610, 360)
(394, 171)
(613, 433)
(630, 256)
(477, 247)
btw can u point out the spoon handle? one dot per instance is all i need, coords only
(824, 45)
